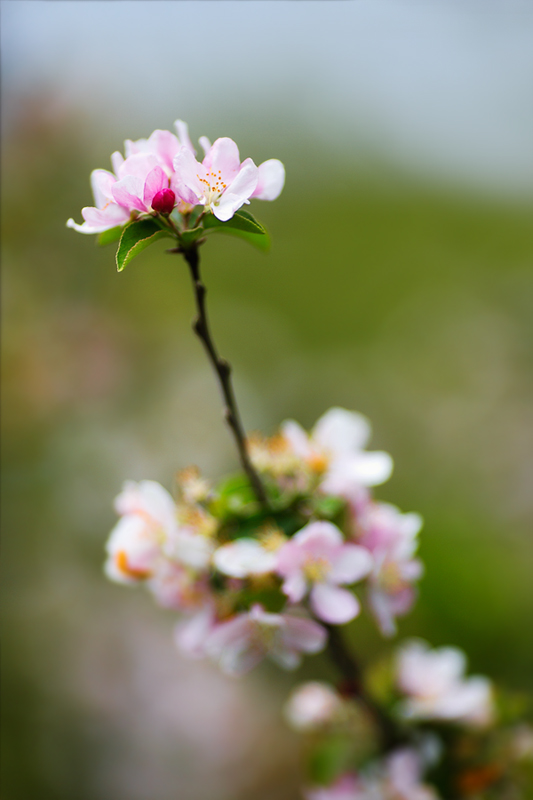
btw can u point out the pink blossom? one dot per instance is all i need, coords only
(137, 541)
(436, 689)
(334, 450)
(144, 177)
(318, 557)
(243, 641)
(107, 213)
(175, 586)
(312, 705)
(391, 537)
(221, 183)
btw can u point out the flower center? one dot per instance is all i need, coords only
(213, 186)
(390, 578)
(316, 569)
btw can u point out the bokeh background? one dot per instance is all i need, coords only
(399, 284)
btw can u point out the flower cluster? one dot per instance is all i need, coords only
(251, 582)
(161, 173)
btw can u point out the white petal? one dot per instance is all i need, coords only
(205, 144)
(342, 431)
(101, 183)
(244, 557)
(297, 438)
(352, 564)
(271, 180)
(183, 135)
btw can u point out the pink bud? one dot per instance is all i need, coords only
(164, 201)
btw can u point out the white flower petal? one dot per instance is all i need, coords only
(244, 557)
(342, 431)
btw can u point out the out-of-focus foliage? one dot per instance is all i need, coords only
(397, 299)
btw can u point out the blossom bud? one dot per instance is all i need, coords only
(164, 201)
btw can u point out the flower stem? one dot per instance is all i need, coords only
(353, 686)
(223, 371)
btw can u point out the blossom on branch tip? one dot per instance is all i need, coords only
(240, 643)
(436, 688)
(334, 450)
(317, 558)
(221, 183)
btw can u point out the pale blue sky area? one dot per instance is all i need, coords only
(445, 86)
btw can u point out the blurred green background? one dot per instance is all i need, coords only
(388, 291)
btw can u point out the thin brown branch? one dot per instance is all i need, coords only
(353, 686)
(223, 371)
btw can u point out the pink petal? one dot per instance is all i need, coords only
(183, 135)
(299, 633)
(320, 538)
(333, 604)
(188, 185)
(205, 143)
(128, 192)
(381, 606)
(117, 159)
(191, 635)
(295, 587)
(237, 193)
(224, 156)
(352, 564)
(164, 145)
(271, 180)
(235, 633)
(98, 220)
(138, 166)
(156, 181)
(101, 183)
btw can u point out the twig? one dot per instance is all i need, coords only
(223, 372)
(353, 686)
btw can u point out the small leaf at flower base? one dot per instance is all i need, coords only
(243, 225)
(188, 238)
(135, 237)
(329, 507)
(110, 236)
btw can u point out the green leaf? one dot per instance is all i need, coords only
(112, 235)
(243, 225)
(241, 220)
(188, 238)
(135, 237)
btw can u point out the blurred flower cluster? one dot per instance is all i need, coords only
(161, 173)
(252, 581)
